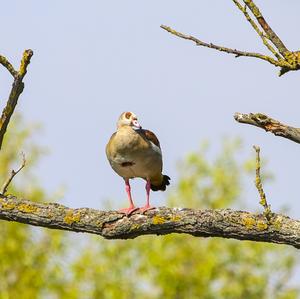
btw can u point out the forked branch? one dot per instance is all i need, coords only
(17, 88)
(283, 58)
(13, 173)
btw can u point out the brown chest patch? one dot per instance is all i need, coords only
(127, 164)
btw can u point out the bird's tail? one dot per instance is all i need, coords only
(162, 184)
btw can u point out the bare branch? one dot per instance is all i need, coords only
(272, 36)
(259, 187)
(16, 90)
(243, 9)
(25, 62)
(285, 59)
(8, 66)
(269, 124)
(235, 52)
(223, 223)
(12, 175)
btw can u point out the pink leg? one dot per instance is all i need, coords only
(131, 208)
(147, 206)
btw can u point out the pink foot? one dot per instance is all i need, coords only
(146, 208)
(128, 211)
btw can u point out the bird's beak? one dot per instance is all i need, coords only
(136, 124)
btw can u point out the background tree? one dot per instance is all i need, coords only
(29, 257)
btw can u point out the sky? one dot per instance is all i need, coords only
(95, 59)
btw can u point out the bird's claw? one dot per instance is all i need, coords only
(145, 209)
(128, 211)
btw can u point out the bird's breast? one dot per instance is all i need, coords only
(132, 156)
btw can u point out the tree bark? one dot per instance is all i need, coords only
(269, 124)
(225, 223)
(16, 90)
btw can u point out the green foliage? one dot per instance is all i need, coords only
(27, 254)
(37, 263)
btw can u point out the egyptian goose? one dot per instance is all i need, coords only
(135, 153)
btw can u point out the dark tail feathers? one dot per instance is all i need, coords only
(164, 184)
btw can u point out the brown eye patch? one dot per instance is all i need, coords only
(127, 115)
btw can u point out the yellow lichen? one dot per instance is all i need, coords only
(27, 208)
(135, 226)
(278, 223)
(71, 217)
(249, 222)
(7, 205)
(24, 62)
(261, 225)
(158, 220)
(175, 218)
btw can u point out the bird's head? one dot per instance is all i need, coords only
(128, 119)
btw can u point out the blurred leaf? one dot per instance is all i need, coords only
(40, 263)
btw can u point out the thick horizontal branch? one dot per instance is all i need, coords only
(269, 124)
(17, 89)
(223, 223)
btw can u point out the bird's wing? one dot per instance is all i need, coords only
(109, 146)
(150, 136)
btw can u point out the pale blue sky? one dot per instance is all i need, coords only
(95, 59)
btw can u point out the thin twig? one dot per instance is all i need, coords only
(272, 36)
(259, 187)
(235, 52)
(25, 62)
(269, 124)
(15, 92)
(12, 175)
(243, 9)
(8, 66)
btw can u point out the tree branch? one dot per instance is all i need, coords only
(16, 90)
(272, 36)
(235, 52)
(285, 59)
(223, 223)
(259, 186)
(13, 173)
(269, 124)
(264, 38)
(8, 66)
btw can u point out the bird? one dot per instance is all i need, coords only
(134, 152)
